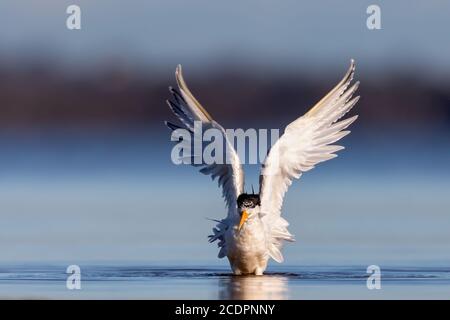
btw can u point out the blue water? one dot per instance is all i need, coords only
(123, 200)
(285, 282)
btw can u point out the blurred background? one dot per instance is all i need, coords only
(85, 168)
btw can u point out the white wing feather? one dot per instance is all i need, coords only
(230, 174)
(306, 142)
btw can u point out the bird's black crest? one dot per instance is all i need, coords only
(248, 200)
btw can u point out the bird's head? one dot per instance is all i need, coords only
(248, 207)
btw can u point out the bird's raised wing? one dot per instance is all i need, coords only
(229, 173)
(306, 142)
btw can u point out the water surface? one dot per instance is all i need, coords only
(285, 282)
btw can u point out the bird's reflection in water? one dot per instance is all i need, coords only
(267, 287)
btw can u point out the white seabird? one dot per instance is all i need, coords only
(253, 230)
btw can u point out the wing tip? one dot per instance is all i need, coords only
(171, 125)
(352, 65)
(344, 83)
(179, 76)
(353, 102)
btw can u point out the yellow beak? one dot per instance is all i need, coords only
(244, 218)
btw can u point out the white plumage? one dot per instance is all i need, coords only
(255, 231)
